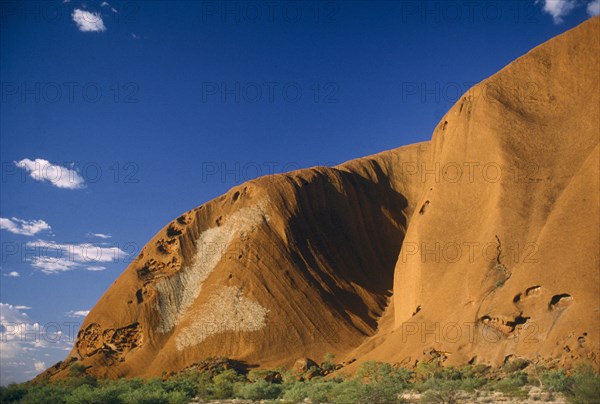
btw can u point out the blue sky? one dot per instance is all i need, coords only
(116, 117)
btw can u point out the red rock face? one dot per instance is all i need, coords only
(478, 246)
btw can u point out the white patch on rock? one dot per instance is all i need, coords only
(177, 292)
(227, 310)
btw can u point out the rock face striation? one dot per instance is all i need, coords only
(476, 247)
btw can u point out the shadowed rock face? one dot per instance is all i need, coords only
(477, 246)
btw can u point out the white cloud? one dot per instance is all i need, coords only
(25, 344)
(51, 257)
(11, 314)
(84, 252)
(593, 8)
(78, 313)
(50, 265)
(558, 8)
(15, 327)
(106, 4)
(88, 22)
(23, 227)
(43, 170)
(13, 274)
(22, 307)
(96, 268)
(99, 235)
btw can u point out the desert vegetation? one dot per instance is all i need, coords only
(373, 383)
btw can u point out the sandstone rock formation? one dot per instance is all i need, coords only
(478, 246)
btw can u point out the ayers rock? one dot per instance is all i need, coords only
(474, 247)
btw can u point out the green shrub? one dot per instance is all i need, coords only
(192, 383)
(76, 369)
(379, 372)
(449, 379)
(328, 362)
(379, 383)
(153, 392)
(479, 371)
(515, 365)
(84, 394)
(425, 371)
(78, 377)
(471, 384)
(111, 392)
(184, 383)
(144, 396)
(45, 393)
(351, 391)
(260, 374)
(556, 380)
(442, 391)
(354, 392)
(204, 385)
(295, 391)
(512, 384)
(380, 393)
(317, 391)
(12, 393)
(373, 383)
(74, 382)
(585, 386)
(258, 390)
(223, 383)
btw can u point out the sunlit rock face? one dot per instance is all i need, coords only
(477, 246)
